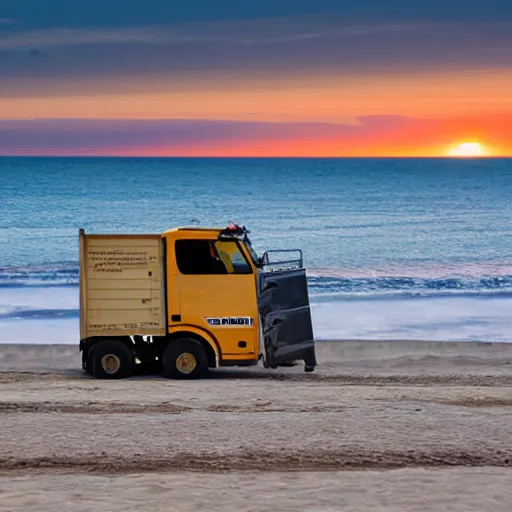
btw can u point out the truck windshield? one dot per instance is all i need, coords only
(254, 255)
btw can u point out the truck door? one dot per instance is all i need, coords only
(217, 293)
(286, 317)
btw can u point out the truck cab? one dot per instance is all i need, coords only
(188, 300)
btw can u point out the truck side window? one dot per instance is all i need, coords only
(210, 257)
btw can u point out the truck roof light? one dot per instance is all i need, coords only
(233, 231)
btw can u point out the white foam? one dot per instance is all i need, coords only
(40, 332)
(436, 319)
(30, 298)
(43, 331)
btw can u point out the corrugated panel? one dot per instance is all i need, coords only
(128, 284)
(124, 293)
(121, 277)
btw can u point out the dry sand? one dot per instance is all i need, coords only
(380, 426)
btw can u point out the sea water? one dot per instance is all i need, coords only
(395, 248)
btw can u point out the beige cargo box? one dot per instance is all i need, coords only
(121, 285)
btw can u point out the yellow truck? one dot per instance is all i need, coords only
(190, 299)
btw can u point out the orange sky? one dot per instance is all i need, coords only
(319, 98)
(442, 111)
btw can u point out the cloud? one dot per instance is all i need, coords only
(377, 135)
(7, 21)
(86, 134)
(65, 37)
(308, 42)
(239, 32)
(501, 50)
(77, 59)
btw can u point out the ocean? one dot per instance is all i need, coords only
(395, 248)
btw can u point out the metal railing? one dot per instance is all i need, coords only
(287, 264)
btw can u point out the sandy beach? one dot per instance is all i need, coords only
(379, 426)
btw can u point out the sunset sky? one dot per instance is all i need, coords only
(266, 78)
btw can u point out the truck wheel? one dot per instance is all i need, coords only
(184, 359)
(111, 360)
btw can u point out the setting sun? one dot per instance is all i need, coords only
(468, 150)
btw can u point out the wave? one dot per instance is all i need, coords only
(53, 274)
(38, 314)
(328, 283)
(410, 286)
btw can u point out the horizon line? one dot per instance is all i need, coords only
(269, 157)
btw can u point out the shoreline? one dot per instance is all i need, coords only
(348, 356)
(51, 316)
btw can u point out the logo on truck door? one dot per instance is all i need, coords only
(231, 321)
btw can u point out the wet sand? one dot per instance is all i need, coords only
(379, 426)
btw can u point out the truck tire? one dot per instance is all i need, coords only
(184, 359)
(111, 360)
(87, 361)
